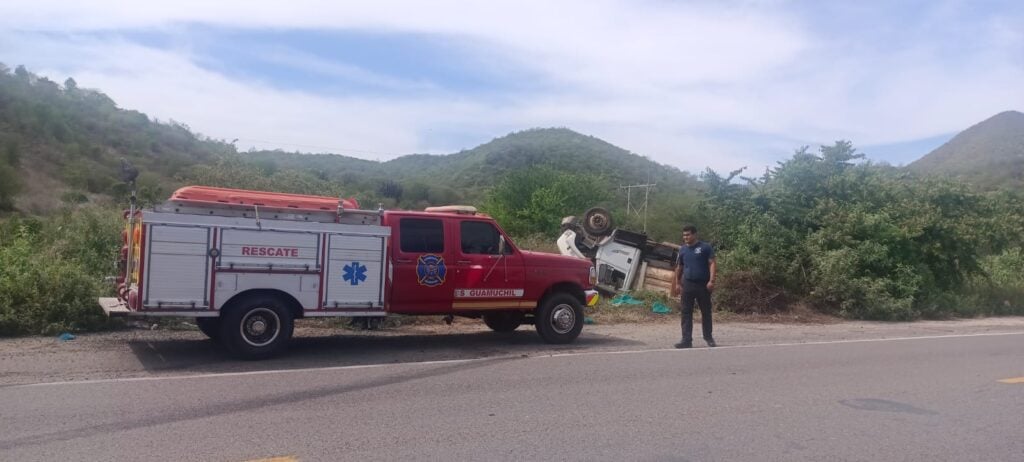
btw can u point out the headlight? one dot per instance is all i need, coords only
(593, 275)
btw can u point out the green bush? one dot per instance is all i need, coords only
(863, 241)
(43, 291)
(52, 269)
(999, 290)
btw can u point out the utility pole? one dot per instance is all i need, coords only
(639, 210)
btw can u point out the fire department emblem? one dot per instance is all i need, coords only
(430, 270)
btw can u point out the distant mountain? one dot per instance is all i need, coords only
(989, 154)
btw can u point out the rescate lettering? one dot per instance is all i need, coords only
(251, 251)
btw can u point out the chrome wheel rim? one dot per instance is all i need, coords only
(563, 318)
(260, 327)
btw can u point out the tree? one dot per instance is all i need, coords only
(9, 186)
(22, 73)
(534, 200)
(390, 189)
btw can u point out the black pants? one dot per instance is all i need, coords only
(695, 291)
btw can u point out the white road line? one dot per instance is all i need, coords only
(766, 345)
(495, 358)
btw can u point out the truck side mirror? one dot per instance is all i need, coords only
(501, 245)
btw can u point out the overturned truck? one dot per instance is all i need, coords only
(625, 260)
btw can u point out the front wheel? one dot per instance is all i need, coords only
(257, 327)
(503, 322)
(559, 318)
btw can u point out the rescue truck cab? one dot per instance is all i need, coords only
(246, 264)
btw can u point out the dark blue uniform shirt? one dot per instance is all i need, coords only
(696, 261)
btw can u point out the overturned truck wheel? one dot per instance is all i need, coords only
(597, 221)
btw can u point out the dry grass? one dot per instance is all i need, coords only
(798, 313)
(538, 243)
(606, 313)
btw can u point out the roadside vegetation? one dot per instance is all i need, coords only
(52, 269)
(829, 230)
(824, 229)
(865, 241)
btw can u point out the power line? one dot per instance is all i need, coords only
(641, 210)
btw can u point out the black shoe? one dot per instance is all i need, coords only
(711, 342)
(684, 345)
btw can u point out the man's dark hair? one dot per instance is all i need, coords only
(690, 229)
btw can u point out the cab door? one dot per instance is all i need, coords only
(488, 274)
(421, 275)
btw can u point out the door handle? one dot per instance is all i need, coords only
(403, 260)
(464, 262)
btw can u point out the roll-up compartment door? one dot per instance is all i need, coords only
(177, 267)
(355, 272)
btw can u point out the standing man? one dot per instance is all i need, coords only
(695, 271)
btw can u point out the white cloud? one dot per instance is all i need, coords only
(663, 79)
(175, 88)
(314, 64)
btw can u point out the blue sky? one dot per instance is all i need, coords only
(691, 84)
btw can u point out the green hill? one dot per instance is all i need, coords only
(472, 171)
(989, 154)
(62, 143)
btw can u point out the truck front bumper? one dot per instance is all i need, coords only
(592, 297)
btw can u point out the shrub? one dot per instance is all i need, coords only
(741, 291)
(51, 270)
(999, 290)
(43, 291)
(863, 241)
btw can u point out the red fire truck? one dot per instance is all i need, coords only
(246, 264)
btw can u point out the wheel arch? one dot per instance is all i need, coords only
(294, 307)
(571, 288)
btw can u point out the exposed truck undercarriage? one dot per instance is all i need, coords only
(625, 260)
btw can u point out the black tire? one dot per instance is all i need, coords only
(506, 321)
(559, 318)
(256, 327)
(597, 222)
(209, 326)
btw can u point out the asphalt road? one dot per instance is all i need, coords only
(938, 397)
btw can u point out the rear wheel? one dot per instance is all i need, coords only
(257, 327)
(559, 318)
(504, 322)
(209, 326)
